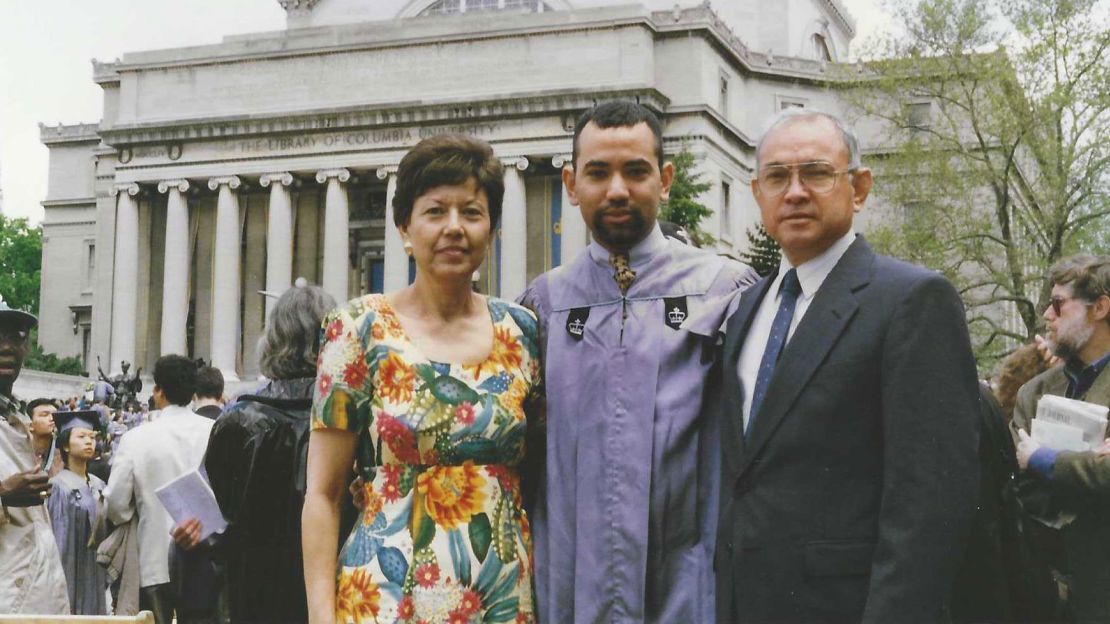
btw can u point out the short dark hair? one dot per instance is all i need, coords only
(210, 383)
(41, 401)
(448, 160)
(1089, 276)
(620, 114)
(176, 375)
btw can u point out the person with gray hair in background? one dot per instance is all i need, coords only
(256, 466)
(1067, 490)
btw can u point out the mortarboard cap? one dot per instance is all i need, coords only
(86, 419)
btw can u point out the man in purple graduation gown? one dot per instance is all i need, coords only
(626, 512)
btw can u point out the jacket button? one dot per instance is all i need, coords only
(19, 582)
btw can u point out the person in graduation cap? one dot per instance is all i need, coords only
(74, 504)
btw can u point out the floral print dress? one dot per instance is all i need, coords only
(442, 536)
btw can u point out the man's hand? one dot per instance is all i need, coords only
(357, 488)
(187, 534)
(1025, 448)
(25, 489)
(1050, 360)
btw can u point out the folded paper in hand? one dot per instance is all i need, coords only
(1069, 425)
(189, 496)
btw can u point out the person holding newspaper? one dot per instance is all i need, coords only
(1066, 489)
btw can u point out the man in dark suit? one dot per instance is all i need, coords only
(849, 409)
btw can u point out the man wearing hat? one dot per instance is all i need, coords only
(31, 577)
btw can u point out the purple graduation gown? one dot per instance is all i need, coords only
(626, 513)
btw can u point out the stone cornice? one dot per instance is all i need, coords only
(72, 133)
(105, 72)
(838, 10)
(568, 103)
(702, 18)
(298, 6)
(76, 202)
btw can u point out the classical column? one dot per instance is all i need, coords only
(279, 236)
(514, 231)
(572, 236)
(335, 233)
(396, 260)
(225, 278)
(175, 273)
(125, 283)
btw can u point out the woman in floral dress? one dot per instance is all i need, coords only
(429, 392)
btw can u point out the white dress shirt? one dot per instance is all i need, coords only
(811, 275)
(149, 457)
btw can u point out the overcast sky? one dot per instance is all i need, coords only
(46, 74)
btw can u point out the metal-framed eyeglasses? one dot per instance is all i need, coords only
(818, 177)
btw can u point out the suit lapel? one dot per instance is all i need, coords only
(825, 321)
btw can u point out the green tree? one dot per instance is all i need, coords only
(20, 263)
(996, 134)
(39, 360)
(682, 207)
(763, 252)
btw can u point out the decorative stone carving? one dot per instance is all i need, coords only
(339, 174)
(561, 160)
(130, 188)
(298, 5)
(520, 162)
(283, 178)
(165, 185)
(232, 182)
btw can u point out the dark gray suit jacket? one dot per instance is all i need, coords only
(851, 498)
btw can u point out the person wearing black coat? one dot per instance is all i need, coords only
(256, 467)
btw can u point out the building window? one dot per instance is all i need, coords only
(918, 115)
(452, 7)
(722, 95)
(89, 273)
(785, 102)
(821, 48)
(726, 210)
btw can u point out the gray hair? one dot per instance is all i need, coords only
(792, 114)
(290, 343)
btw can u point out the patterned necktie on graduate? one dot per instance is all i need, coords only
(622, 272)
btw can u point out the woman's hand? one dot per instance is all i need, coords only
(187, 534)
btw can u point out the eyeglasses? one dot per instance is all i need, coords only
(1056, 302)
(819, 177)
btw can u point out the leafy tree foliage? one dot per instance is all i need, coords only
(997, 131)
(763, 252)
(682, 207)
(20, 263)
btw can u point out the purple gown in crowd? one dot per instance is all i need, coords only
(73, 510)
(626, 515)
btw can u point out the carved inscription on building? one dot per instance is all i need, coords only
(335, 141)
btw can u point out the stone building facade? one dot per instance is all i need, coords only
(221, 170)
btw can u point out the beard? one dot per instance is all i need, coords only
(621, 236)
(1071, 336)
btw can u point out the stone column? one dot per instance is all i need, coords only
(225, 278)
(573, 237)
(335, 233)
(175, 272)
(279, 236)
(396, 260)
(125, 283)
(514, 231)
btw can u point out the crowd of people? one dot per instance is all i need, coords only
(652, 433)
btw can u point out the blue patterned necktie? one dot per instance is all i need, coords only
(790, 290)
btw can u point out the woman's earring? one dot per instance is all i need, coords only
(408, 247)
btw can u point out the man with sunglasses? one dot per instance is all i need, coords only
(849, 411)
(31, 576)
(1070, 488)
